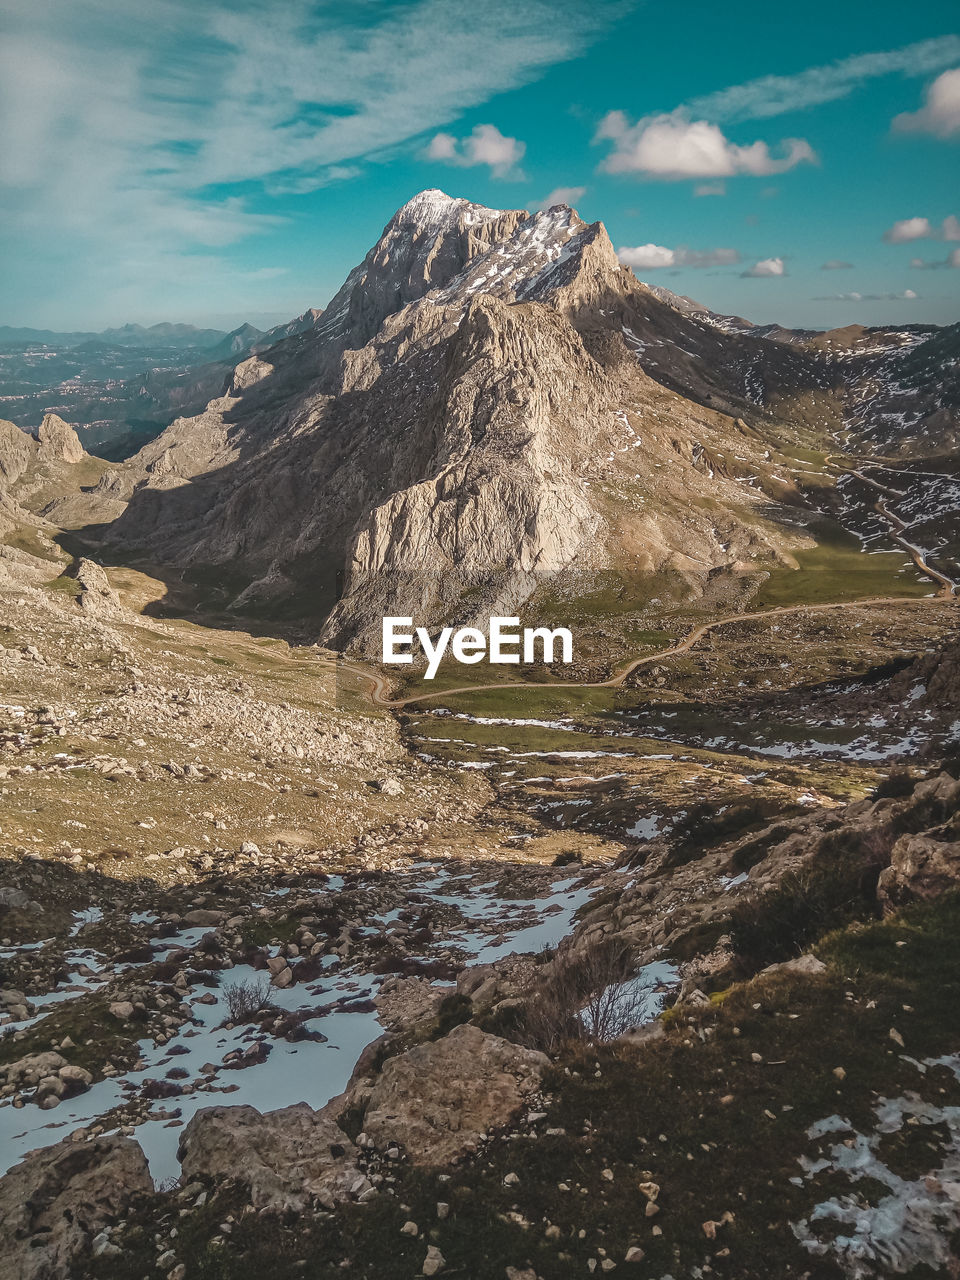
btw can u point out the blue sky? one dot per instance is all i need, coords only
(215, 162)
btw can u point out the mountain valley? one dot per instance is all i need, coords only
(647, 963)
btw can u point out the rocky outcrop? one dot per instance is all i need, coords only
(17, 452)
(96, 594)
(921, 867)
(924, 864)
(57, 1201)
(439, 1099)
(58, 441)
(286, 1159)
(436, 1101)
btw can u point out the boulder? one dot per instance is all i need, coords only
(921, 867)
(204, 917)
(96, 593)
(286, 1158)
(58, 1199)
(440, 1097)
(13, 899)
(58, 441)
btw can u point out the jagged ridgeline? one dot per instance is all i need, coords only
(490, 400)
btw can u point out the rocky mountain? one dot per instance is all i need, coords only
(237, 343)
(490, 398)
(492, 404)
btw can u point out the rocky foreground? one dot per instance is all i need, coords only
(281, 997)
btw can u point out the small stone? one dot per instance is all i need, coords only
(650, 1189)
(409, 1229)
(896, 1037)
(434, 1262)
(634, 1254)
(840, 1073)
(122, 1009)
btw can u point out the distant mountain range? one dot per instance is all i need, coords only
(216, 343)
(128, 335)
(121, 387)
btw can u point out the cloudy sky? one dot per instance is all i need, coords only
(214, 162)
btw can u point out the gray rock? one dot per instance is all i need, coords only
(438, 1098)
(58, 1200)
(285, 1158)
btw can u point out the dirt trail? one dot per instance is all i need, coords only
(381, 686)
(947, 594)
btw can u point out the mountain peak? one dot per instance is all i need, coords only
(434, 209)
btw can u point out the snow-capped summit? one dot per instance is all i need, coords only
(433, 208)
(426, 243)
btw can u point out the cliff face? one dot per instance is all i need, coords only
(489, 398)
(17, 452)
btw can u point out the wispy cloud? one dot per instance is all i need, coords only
(951, 260)
(142, 130)
(776, 95)
(561, 195)
(765, 269)
(908, 295)
(653, 257)
(940, 114)
(836, 264)
(710, 189)
(485, 145)
(676, 146)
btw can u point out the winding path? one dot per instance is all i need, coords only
(381, 686)
(947, 595)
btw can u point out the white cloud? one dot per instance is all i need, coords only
(908, 229)
(765, 268)
(775, 95)
(836, 264)
(940, 114)
(647, 257)
(485, 145)
(673, 146)
(710, 189)
(562, 195)
(651, 257)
